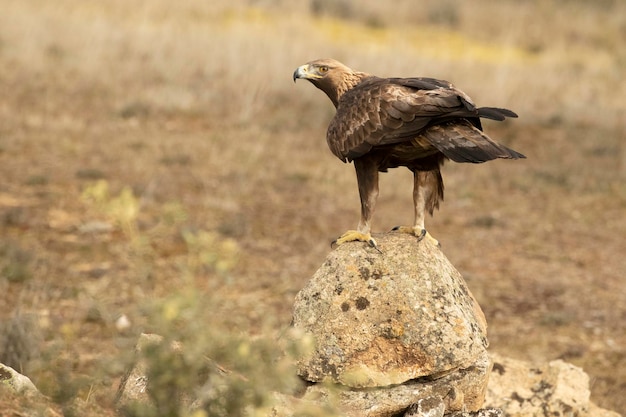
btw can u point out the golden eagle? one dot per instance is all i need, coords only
(384, 123)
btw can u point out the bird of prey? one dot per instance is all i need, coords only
(383, 123)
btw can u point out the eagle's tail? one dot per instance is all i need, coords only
(495, 113)
(463, 142)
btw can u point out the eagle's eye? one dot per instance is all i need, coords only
(323, 69)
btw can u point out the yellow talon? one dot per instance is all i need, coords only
(420, 233)
(354, 236)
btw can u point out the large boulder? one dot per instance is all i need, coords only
(384, 318)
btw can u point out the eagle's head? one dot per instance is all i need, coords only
(330, 76)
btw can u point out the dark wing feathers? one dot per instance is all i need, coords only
(463, 142)
(402, 106)
(380, 112)
(421, 83)
(399, 114)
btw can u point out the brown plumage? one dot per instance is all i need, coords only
(384, 123)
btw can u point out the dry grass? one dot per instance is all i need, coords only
(148, 149)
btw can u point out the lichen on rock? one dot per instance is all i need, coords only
(380, 319)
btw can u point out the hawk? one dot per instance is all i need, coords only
(418, 123)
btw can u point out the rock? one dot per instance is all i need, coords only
(134, 384)
(556, 388)
(463, 389)
(19, 383)
(382, 319)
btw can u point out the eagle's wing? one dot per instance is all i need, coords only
(463, 142)
(381, 111)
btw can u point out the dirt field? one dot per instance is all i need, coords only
(151, 154)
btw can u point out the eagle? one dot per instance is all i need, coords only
(418, 123)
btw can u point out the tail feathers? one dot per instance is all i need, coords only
(463, 142)
(495, 113)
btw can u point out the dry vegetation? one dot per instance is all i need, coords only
(160, 166)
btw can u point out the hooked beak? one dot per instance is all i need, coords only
(303, 72)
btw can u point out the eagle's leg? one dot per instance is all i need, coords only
(367, 179)
(422, 193)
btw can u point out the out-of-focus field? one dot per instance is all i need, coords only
(155, 148)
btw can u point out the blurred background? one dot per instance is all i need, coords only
(162, 173)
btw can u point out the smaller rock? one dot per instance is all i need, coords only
(524, 389)
(122, 323)
(95, 227)
(133, 387)
(17, 382)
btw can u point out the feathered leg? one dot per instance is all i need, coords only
(427, 190)
(367, 179)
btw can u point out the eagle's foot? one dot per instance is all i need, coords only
(418, 232)
(354, 236)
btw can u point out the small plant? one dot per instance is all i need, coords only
(122, 209)
(15, 262)
(202, 367)
(20, 341)
(207, 250)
